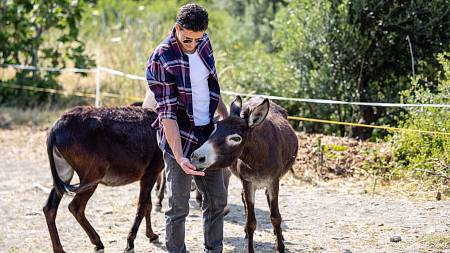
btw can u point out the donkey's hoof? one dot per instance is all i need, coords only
(281, 250)
(97, 250)
(153, 238)
(127, 250)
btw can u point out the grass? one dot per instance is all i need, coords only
(410, 187)
(11, 117)
(13, 249)
(438, 241)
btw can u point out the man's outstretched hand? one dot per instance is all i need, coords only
(188, 168)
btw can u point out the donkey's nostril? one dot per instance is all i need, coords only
(202, 159)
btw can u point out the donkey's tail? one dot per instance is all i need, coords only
(60, 186)
(291, 164)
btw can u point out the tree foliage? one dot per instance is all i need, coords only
(420, 152)
(360, 51)
(40, 33)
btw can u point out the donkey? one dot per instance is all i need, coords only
(110, 146)
(259, 152)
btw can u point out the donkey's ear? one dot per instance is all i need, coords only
(236, 106)
(216, 119)
(258, 114)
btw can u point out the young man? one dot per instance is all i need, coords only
(181, 73)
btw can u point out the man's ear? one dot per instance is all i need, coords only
(258, 114)
(178, 27)
(236, 106)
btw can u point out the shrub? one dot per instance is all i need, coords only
(423, 153)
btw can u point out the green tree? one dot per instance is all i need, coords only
(390, 30)
(358, 51)
(25, 38)
(254, 18)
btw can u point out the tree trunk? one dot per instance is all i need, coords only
(34, 54)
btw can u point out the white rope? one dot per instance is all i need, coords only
(305, 100)
(326, 101)
(119, 73)
(75, 70)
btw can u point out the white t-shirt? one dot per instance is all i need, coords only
(200, 91)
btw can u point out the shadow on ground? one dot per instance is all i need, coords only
(239, 244)
(237, 216)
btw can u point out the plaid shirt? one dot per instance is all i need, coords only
(167, 74)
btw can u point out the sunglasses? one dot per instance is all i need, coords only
(189, 41)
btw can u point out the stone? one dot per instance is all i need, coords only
(396, 238)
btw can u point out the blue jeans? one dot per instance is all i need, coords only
(214, 201)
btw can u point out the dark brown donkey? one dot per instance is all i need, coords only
(110, 146)
(259, 152)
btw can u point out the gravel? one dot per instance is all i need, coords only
(336, 216)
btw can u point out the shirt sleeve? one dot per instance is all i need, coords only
(161, 83)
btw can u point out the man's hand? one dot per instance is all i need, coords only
(188, 168)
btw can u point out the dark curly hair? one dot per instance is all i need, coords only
(193, 17)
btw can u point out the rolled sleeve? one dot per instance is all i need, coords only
(161, 83)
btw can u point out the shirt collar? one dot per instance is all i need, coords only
(174, 43)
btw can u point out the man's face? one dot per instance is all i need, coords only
(188, 39)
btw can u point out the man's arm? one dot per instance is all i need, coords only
(162, 85)
(222, 109)
(172, 132)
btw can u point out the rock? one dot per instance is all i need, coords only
(396, 238)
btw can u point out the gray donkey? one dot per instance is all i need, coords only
(260, 146)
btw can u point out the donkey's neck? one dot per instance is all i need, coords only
(255, 149)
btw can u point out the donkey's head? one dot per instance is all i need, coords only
(227, 141)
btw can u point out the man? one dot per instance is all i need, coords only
(181, 73)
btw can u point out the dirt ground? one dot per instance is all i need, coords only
(336, 216)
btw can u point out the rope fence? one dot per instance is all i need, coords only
(100, 70)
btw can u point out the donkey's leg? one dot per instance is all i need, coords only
(77, 207)
(148, 220)
(157, 184)
(198, 198)
(50, 209)
(144, 205)
(226, 181)
(249, 203)
(149, 230)
(275, 217)
(269, 203)
(161, 187)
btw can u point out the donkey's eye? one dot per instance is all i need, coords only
(234, 139)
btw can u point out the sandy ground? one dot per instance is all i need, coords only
(331, 217)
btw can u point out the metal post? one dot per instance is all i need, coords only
(97, 88)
